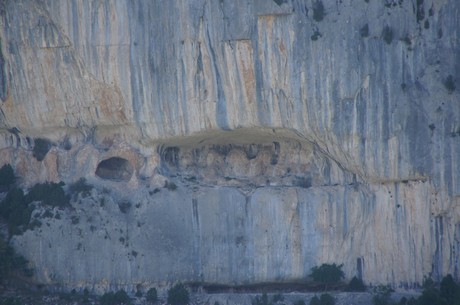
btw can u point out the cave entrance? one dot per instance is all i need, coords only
(115, 169)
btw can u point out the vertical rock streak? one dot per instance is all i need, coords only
(372, 182)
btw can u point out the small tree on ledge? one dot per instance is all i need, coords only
(327, 274)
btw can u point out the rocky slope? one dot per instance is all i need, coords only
(288, 133)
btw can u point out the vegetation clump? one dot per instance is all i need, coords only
(118, 298)
(327, 274)
(324, 299)
(11, 264)
(387, 34)
(316, 35)
(449, 83)
(41, 148)
(124, 206)
(16, 210)
(152, 295)
(318, 11)
(81, 187)
(382, 295)
(264, 299)
(447, 293)
(364, 31)
(178, 295)
(49, 193)
(7, 177)
(171, 186)
(355, 285)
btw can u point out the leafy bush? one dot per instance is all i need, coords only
(449, 292)
(118, 298)
(278, 298)
(314, 301)
(16, 211)
(364, 31)
(10, 301)
(318, 10)
(261, 300)
(11, 264)
(49, 193)
(299, 302)
(381, 295)
(152, 295)
(449, 289)
(327, 273)
(81, 187)
(178, 295)
(449, 83)
(355, 285)
(387, 34)
(41, 148)
(264, 300)
(316, 35)
(124, 206)
(326, 299)
(7, 176)
(170, 186)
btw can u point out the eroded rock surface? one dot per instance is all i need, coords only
(260, 138)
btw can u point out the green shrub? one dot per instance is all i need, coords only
(121, 297)
(387, 34)
(178, 295)
(81, 187)
(364, 31)
(315, 301)
(326, 299)
(299, 302)
(449, 289)
(16, 211)
(170, 185)
(449, 293)
(10, 301)
(449, 83)
(355, 285)
(7, 176)
(327, 274)
(107, 298)
(41, 148)
(49, 193)
(11, 264)
(152, 295)
(124, 206)
(430, 296)
(261, 300)
(381, 295)
(118, 298)
(277, 298)
(316, 35)
(280, 2)
(318, 10)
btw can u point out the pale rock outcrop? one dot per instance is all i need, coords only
(294, 132)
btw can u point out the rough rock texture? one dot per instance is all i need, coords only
(289, 133)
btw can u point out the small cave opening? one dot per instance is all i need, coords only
(115, 169)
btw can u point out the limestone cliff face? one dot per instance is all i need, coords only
(297, 132)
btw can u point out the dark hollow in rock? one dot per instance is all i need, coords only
(41, 148)
(171, 156)
(115, 169)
